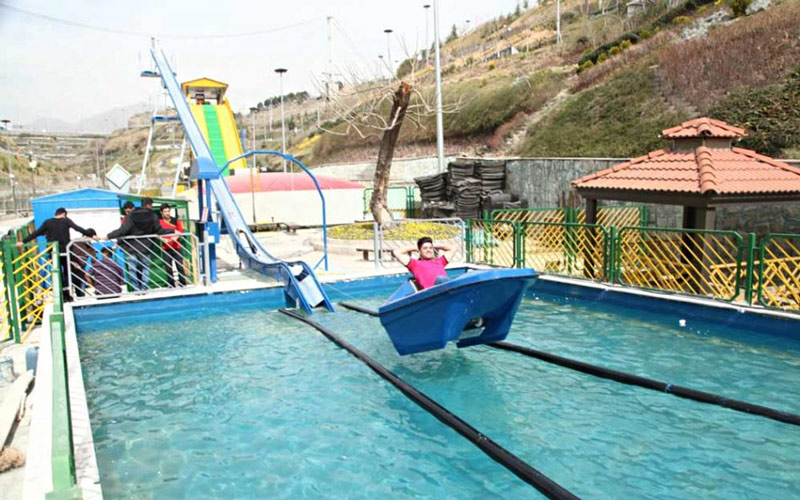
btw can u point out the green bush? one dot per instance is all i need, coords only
(614, 50)
(491, 65)
(738, 7)
(644, 33)
(626, 44)
(682, 20)
(602, 57)
(703, 9)
(585, 66)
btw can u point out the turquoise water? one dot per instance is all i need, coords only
(257, 405)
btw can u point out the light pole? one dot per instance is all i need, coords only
(32, 164)
(280, 72)
(13, 190)
(427, 7)
(253, 169)
(380, 66)
(253, 140)
(439, 124)
(389, 51)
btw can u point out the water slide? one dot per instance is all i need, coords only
(300, 283)
(219, 129)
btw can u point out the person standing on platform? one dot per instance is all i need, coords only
(56, 229)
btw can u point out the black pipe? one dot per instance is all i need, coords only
(656, 385)
(631, 379)
(519, 467)
(358, 308)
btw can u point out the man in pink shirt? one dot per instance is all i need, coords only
(428, 268)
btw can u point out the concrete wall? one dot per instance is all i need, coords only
(404, 170)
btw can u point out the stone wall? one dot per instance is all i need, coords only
(545, 182)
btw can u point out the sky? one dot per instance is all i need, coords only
(69, 70)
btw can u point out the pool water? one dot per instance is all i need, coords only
(253, 404)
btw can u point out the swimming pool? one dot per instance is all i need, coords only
(246, 403)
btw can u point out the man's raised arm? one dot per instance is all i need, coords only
(403, 255)
(449, 251)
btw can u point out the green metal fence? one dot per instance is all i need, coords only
(724, 265)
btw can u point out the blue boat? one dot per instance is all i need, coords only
(474, 308)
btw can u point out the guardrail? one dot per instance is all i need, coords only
(134, 265)
(405, 232)
(724, 265)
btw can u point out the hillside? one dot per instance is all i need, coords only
(607, 90)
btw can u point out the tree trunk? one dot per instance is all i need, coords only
(378, 203)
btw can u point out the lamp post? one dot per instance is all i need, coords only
(13, 190)
(253, 168)
(439, 123)
(32, 164)
(389, 51)
(427, 7)
(280, 72)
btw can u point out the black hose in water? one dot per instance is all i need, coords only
(631, 379)
(656, 385)
(519, 467)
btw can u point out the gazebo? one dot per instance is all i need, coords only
(699, 170)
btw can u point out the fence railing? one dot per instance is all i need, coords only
(404, 233)
(723, 265)
(618, 215)
(134, 265)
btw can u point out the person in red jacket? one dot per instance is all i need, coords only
(171, 246)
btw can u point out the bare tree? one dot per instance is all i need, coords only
(360, 109)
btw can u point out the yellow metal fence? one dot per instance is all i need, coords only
(724, 265)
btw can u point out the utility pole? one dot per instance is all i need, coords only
(329, 82)
(280, 72)
(97, 160)
(427, 7)
(558, 21)
(439, 123)
(389, 52)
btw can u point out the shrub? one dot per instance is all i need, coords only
(626, 44)
(682, 20)
(703, 9)
(583, 67)
(491, 65)
(614, 50)
(644, 33)
(568, 16)
(602, 57)
(582, 40)
(738, 7)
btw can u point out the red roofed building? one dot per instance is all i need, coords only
(700, 170)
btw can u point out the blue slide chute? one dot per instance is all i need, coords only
(300, 283)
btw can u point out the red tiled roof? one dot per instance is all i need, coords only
(703, 127)
(698, 171)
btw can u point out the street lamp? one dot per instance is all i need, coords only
(13, 190)
(32, 164)
(280, 72)
(437, 61)
(389, 51)
(427, 7)
(253, 169)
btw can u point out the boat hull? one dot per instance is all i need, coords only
(474, 308)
